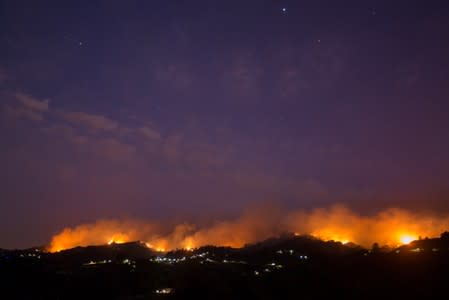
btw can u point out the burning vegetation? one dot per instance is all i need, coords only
(390, 227)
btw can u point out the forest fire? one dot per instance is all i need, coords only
(392, 227)
(118, 239)
(407, 239)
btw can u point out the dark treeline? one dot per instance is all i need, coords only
(282, 268)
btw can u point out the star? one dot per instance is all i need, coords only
(284, 9)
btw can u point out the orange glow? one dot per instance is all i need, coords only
(188, 244)
(118, 239)
(337, 223)
(100, 233)
(158, 248)
(407, 239)
(114, 241)
(332, 234)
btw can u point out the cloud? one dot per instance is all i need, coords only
(26, 107)
(80, 140)
(106, 138)
(91, 121)
(149, 133)
(30, 103)
(114, 149)
(20, 112)
(180, 149)
(67, 133)
(33, 108)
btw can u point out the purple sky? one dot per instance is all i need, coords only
(199, 109)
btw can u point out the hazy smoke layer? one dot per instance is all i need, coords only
(389, 227)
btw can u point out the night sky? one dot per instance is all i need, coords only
(196, 110)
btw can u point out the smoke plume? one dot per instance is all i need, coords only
(389, 227)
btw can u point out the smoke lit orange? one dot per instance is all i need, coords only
(390, 227)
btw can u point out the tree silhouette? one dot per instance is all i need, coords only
(375, 248)
(445, 237)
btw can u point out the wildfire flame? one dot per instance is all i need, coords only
(407, 239)
(118, 239)
(390, 227)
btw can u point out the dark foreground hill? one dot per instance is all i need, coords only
(282, 268)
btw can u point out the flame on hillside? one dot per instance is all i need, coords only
(390, 227)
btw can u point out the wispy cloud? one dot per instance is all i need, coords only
(26, 107)
(114, 140)
(31, 103)
(20, 112)
(90, 121)
(149, 133)
(113, 149)
(98, 139)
